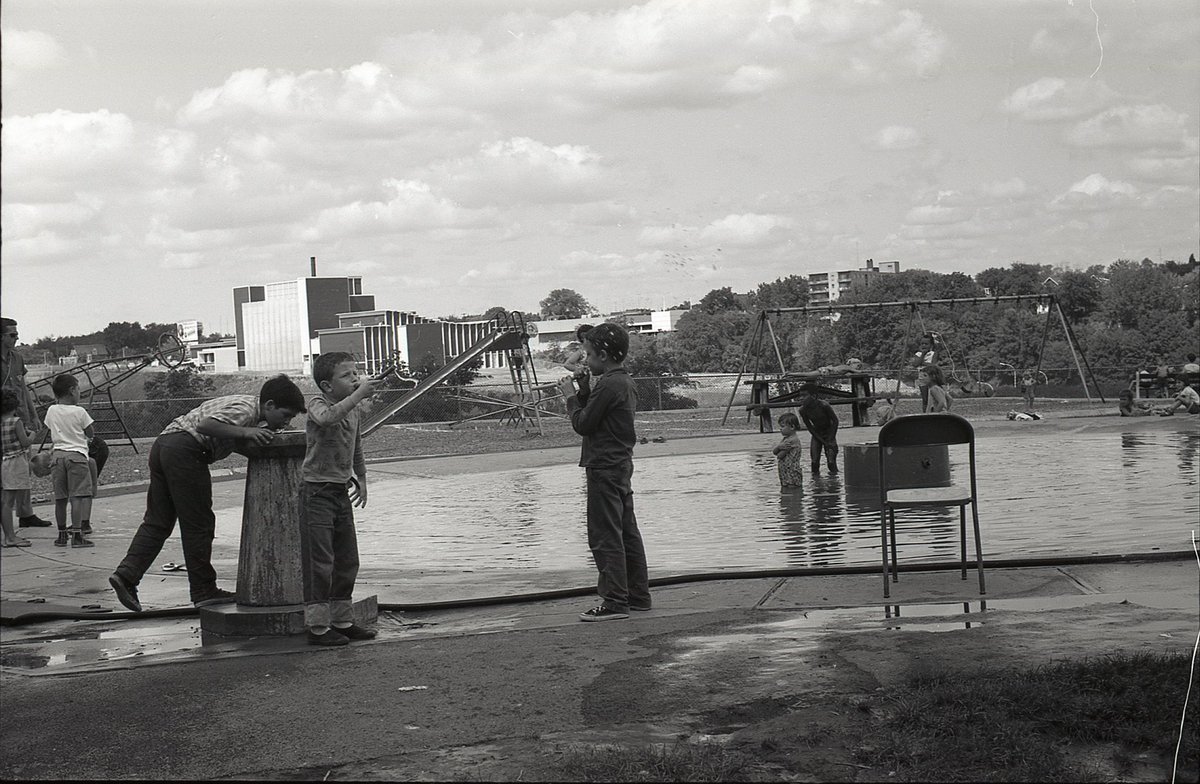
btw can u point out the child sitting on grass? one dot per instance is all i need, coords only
(70, 430)
(14, 476)
(788, 453)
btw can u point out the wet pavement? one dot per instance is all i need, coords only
(705, 644)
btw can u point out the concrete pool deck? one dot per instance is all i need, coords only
(497, 692)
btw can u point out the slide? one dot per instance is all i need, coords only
(499, 340)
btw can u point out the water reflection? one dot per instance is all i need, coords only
(1067, 493)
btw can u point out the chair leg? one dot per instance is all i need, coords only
(962, 537)
(883, 547)
(978, 548)
(892, 531)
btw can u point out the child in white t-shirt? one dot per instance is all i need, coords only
(70, 430)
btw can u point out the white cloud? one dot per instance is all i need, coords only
(935, 214)
(522, 170)
(1132, 126)
(1095, 193)
(895, 137)
(1005, 189)
(746, 230)
(411, 206)
(685, 53)
(67, 146)
(1055, 99)
(29, 50)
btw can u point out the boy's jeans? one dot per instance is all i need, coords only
(328, 553)
(614, 539)
(180, 488)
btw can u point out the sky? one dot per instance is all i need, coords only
(461, 155)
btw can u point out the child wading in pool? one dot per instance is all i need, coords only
(787, 451)
(822, 422)
(604, 417)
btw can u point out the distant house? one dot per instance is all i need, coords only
(85, 352)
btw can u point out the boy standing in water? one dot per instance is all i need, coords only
(604, 417)
(822, 422)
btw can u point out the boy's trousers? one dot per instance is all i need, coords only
(329, 553)
(180, 489)
(614, 538)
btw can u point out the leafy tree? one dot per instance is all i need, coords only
(564, 304)
(179, 382)
(121, 334)
(789, 292)
(719, 300)
(1136, 290)
(430, 363)
(1017, 279)
(651, 366)
(710, 342)
(1080, 293)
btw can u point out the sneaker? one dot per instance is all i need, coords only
(126, 592)
(218, 596)
(33, 521)
(602, 613)
(86, 527)
(63, 539)
(330, 637)
(77, 540)
(355, 632)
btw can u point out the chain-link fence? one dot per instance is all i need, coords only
(499, 402)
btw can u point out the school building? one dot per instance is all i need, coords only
(283, 326)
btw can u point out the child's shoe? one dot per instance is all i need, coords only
(77, 540)
(602, 613)
(86, 528)
(355, 632)
(63, 539)
(329, 637)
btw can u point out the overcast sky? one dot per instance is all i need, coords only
(472, 153)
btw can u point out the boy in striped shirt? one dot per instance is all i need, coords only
(181, 485)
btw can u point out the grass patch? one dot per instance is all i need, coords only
(1013, 725)
(678, 762)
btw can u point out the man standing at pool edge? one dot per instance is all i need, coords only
(604, 417)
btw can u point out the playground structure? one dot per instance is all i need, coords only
(508, 334)
(103, 375)
(862, 393)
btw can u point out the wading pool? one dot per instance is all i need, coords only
(1041, 494)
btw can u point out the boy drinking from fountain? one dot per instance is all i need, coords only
(604, 417)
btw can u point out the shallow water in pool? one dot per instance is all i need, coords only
(1040, 495)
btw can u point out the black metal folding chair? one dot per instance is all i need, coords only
(924, 430)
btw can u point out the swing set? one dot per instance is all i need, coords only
(862, 394)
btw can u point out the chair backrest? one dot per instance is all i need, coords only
(926, 430)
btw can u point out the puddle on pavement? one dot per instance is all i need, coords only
(85, 645)
(800, 633)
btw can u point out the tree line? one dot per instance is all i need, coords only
(1124, 316)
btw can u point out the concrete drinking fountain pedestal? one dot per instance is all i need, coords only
(270, 585)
